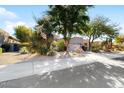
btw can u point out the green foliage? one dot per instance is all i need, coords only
(23, 33)
(51, 53)
(42, 37)
(39, 44)
(43, 51)
(65, 20)
(96, 47)
(60, 45)
(100, 27)
(25, 44)
(119, 39)
(97, 27)
(28, 46)
(24, 50)
(69, 19)
(1, 50)
(121, 48)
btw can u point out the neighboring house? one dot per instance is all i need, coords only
(3, 37)
(76, 42)
(8, 42)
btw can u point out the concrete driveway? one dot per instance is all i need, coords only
(93, 70)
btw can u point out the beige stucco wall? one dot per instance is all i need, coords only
(75, 42)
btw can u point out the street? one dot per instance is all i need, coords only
(97, 74)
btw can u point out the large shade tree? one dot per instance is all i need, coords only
(69, 20)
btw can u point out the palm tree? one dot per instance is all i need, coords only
(44, 34)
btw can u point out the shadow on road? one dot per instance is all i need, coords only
(119, 58)
(94, 75)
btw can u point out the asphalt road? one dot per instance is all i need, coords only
(94, 75)
(115, 56)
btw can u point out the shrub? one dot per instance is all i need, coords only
(51, 53)
(59, 45)
(25, 44)
(43, 51)
(1, 51)
(96, 47)
(23, 50)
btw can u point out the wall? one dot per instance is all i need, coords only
(75, 42)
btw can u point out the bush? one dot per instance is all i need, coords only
(59, 45)
(43, 51)
(96, 48)
(51, 53)
(25, 44)
(1, 50)
(23, 50)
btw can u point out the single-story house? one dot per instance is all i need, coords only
(8, 42)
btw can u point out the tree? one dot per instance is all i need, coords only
(23, 33)
(100, 27)
(119, 39)
(111, 32)
(43, 35)
(69, 19)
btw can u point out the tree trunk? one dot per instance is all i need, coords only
(65, 37)
(90, 44)
(66, 44)
(111, 43)
(66, 47)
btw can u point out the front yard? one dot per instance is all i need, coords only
(11, 58)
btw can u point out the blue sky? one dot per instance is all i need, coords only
(10, 16)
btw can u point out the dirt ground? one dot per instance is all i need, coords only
(10, 58)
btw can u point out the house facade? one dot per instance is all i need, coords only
(8, 42)
(76, 42)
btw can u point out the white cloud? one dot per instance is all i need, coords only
(6, 14)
